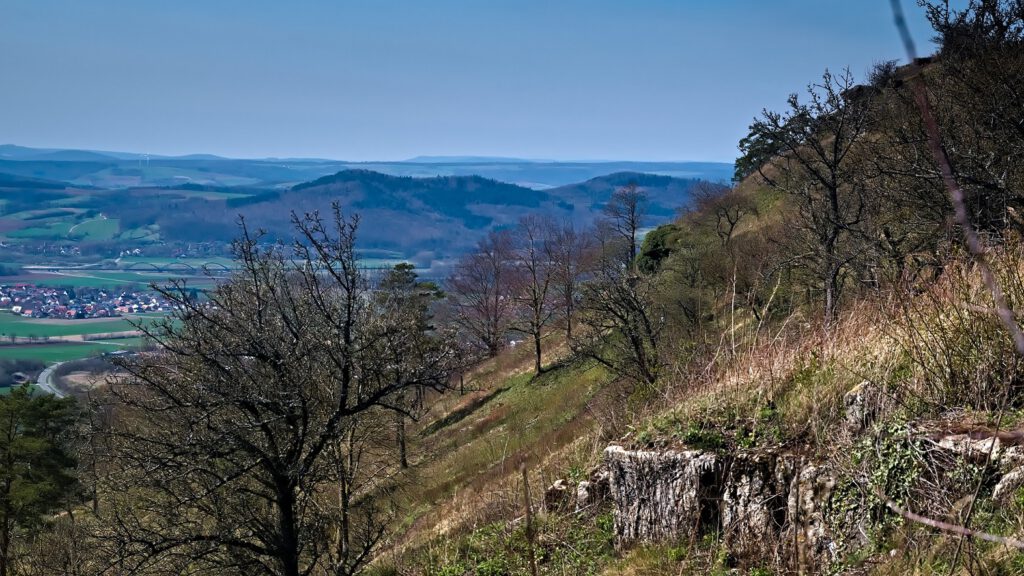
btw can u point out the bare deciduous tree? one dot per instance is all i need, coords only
(480, 292)
(724, 205)
(817, 170)
(533, 279)
(254, 441)
(620, 322)
(625, 213)
(570, 252)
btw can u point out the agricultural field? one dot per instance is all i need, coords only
(113, 279)
(95, 229)
(52, 231)
(12, 325)
(137, 262)
(65, 351)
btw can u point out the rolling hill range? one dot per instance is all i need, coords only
(425, 220)
(104, 169)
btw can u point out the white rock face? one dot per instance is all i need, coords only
(663, 495)
(861, 405)
(809, 529)
(764, 504)
(755, 503)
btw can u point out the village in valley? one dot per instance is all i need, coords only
(32, 301)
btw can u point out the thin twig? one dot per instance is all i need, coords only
(954, 528)
(977, 251)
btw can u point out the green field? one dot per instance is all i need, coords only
(45, 213)
(194, 262)
(96, 229)
(104, 279)
(207, 194)
(12, 325)
(54, 231)
(64, 351)
(73, 200)
(149, 233)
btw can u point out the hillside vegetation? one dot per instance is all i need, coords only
(810, 371)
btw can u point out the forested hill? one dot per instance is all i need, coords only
(424, 219)
(446, 215)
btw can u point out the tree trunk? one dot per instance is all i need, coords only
(537, 352)
(288, 549)
(400, 431)
(5, 546)
(831, 295)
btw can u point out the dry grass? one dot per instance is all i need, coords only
(796, 377)
(470, 447)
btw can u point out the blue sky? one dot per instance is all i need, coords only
(391, 79)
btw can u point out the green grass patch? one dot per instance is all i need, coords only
(12, 325)
(563, 545)
(107, 279)
(57, 352)
(96, 229)
(526, 419)
(53, 231)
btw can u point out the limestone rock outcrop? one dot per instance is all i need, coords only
(763, 503)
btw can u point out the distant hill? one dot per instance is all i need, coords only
(106, 169)
(470, 160)
(441, 216)
(22, 182)
(426, 220)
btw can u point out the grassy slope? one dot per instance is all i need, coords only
(466, 471)
(95, 229)
(782, 387)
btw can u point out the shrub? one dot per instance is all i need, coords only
(961, 352)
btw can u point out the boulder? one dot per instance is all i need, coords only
(556, 497)
(1008, 485)
(590, 493)
(861, 404)
(809, 528)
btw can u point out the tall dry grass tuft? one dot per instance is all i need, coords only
(791, 379)
(950, 333)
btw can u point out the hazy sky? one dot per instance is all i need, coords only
(391, 79)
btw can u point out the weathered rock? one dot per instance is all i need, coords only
(592, 492)
(556, 497)
(809, 530)
(1008, 485)
(755, 502)
(663, 495)
(976, 447)
(862, 405)
(805, 514)
(764, 504)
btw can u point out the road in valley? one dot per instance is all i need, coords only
(45, 380)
